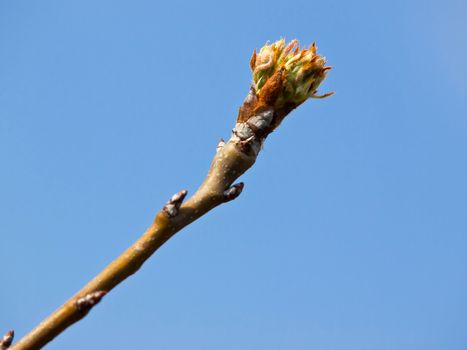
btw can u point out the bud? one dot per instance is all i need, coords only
(284, 76)
(6, 340)
(300, 72)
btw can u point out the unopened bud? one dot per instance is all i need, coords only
(87, 302)
(233, 192)
(173, 205)
(6, 340)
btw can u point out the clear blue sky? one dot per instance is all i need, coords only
(351, 233)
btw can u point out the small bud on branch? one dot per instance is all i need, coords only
(6, 340)
(233, 192)
(173, 205)
(87, 302)
(220, 145)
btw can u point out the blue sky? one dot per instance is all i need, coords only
(351, 233)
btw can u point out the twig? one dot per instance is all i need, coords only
(283, 78)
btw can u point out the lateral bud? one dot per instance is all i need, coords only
(87, 302)
(220, 145)
(172, 207)
(233, 191)
(6, 340)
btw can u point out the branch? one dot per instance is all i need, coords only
(283, 78)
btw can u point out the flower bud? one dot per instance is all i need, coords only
(301, 71)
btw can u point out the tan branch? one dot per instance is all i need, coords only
(280, 86)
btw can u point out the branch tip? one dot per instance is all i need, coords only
(87, 302)
(173, 205)
(233, 192)
(6, 340)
